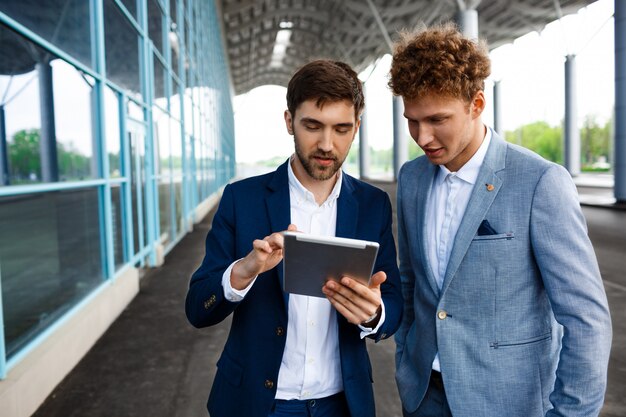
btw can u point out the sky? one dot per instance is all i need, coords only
(530, 70)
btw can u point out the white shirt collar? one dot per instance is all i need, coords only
(300, 193)
(469, 171)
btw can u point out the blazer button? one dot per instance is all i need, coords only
(269, 384)
(280, 331)
(208, 303)
(441, 315)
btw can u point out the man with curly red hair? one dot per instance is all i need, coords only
(505, 312)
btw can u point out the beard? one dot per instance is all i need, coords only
(312, 168)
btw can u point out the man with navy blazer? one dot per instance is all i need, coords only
(290, 354)
(505, 312)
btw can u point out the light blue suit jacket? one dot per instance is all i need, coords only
(527, 330)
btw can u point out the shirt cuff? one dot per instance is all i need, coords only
(366, 331)
(230, 293)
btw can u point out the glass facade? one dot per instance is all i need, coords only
(110, 137)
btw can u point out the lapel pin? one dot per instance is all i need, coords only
(490, 187)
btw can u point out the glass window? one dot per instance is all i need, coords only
(155, 24)
(177, 147)
(121, 50)
(44, 273)
(134, 110)
(175, 100)
(159, 83)
(138, 185)
(73, 122)
(112, 132)
(47, 105)
(173, 11)
(20, 104)
(117, 217)
(131, 6)
(165, 210)
(65, 24)
(161, 141)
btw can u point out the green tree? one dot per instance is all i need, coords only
(595, 142)
(24, 159)
(541, 138)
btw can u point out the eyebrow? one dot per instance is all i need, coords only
(315, 121)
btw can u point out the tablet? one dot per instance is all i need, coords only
(310, 260)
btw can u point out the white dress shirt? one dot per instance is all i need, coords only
(311, 366)
(447, 202)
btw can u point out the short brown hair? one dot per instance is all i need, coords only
(325, 81)
(439, 60)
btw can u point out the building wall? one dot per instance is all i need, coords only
(116, 134)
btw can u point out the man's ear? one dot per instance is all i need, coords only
(478, 104)
(289, 122)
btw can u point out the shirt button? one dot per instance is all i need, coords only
(279, 331)
(441, 315)
(269, 384)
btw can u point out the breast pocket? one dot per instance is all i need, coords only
(499, 236)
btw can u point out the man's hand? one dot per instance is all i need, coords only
(358, 303)
(265, 255)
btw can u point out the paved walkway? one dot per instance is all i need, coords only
(151, 362)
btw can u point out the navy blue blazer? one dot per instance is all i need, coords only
(245, 382)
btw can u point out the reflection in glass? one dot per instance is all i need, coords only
(155, 24)
(134, 110)
(117, 219)
(112, 131)
(73, 121)
(138, 187)
(46, 271)
(131, 6)
(161, 135)
(64, 23)
(178, 205)
(175, 100)
(176, 147)
(159, 79)
(121, 49)
(47, 114)
(165, 210)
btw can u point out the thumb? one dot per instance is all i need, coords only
(377, 279)
(292, 228)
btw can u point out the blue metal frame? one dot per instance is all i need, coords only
(211, 134)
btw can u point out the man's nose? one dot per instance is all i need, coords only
(325, 142)
(424, 135)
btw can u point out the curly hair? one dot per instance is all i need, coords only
(325, 81)
(438, 60)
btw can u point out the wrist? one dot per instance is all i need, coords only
(239, 278)
(372, 321)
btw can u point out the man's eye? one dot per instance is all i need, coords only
(343, 131)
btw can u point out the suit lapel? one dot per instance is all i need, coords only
(485, 190)
(347, 209)
(425, 178)
(278, 210)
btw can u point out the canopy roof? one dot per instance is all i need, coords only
(267, 40)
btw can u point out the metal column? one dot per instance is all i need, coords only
(619, 168)
(571, 150)
(497, 109)
(364, 152)
(467, 20)
(4, 155)
(400, 143)
(47, 137)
